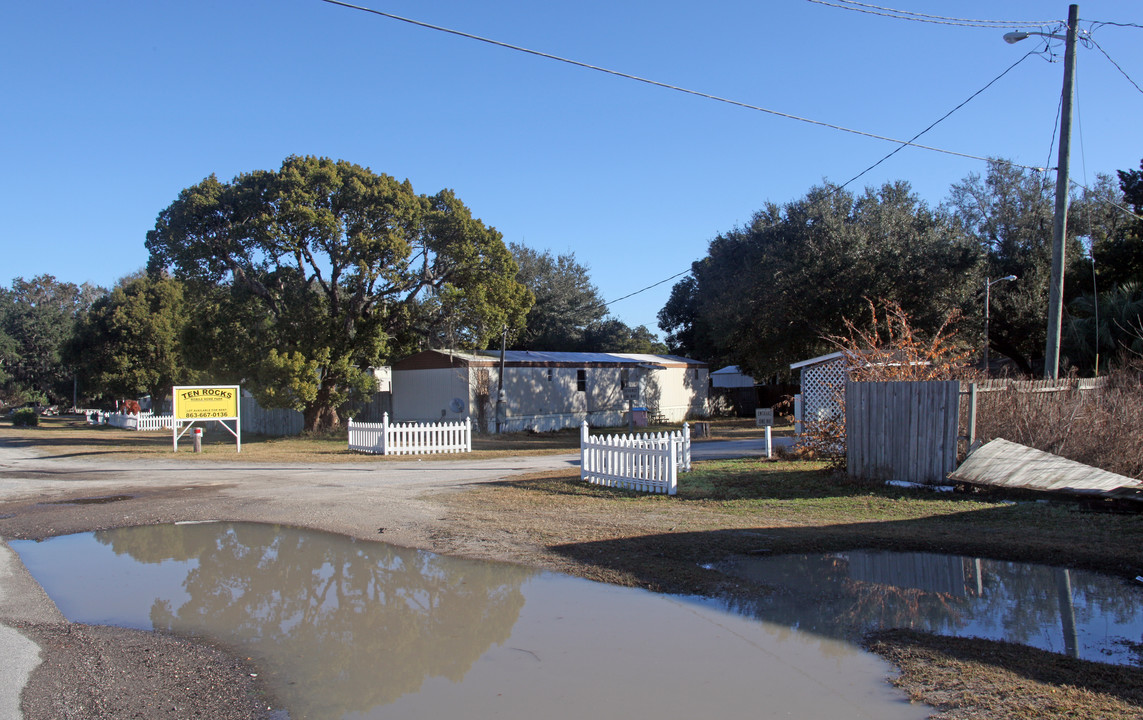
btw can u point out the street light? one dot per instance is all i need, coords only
(1060, 224)
(1014, 37)
(987, 300)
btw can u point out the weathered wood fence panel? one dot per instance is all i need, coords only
(903, 431)
(373, 409)
(258, 420)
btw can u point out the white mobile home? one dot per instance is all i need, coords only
(547, 390)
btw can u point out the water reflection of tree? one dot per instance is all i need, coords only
(1018, 602)
(353, 624)
(822, 597)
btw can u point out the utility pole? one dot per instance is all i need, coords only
(1060, 222)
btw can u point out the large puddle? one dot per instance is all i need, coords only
(1082, 614)
(351, 629)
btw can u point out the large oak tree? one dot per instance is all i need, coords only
(322, 268)
(768, 294)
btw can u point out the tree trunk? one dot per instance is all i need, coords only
(321, 415)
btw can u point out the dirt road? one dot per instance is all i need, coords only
(75, 671)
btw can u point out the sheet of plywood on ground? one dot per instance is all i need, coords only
(1008, 464)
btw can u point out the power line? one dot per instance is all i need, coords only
(1100, 23)
(611, 302)
(935, 19)
(941, 119)
(656, 83)
(1105, 201)
(1121, 70)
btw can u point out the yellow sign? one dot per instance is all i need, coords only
(211, 402)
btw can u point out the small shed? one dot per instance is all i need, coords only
(546, 391)
(823, 389)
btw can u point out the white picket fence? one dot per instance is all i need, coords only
(385, 438)
(646, 462)
(142, 421)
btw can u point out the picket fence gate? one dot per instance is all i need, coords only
(644, 462)
(385, 438)
(142, 421)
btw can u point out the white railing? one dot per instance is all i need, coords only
(647, 462)
(122, 420)
(142, 421)
(385, 438)
(156, 422)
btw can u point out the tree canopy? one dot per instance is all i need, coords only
(566, 300)
(323, 268)
(767, 295)
(1118, 252)
(131, 341)
(569, 314)
(37, 318)
(1009, 213)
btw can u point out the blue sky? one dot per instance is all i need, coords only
(111, 108)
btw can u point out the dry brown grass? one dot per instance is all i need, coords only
(1102, 428)
(972, 679)
(68, 437)
(72, 437)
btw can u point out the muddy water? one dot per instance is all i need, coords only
(1081, 614)
(351, 629)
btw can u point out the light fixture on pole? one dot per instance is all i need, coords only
(1060, 223)
(987, 301)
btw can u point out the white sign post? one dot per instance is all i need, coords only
(764, 417)
(631, 395)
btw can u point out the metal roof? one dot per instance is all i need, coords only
(818, 359)
(519, 358)
(582, 358)
(729, 370)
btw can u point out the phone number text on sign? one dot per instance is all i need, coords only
(206, 403)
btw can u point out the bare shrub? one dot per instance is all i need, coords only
(1101, 427)
(885, 349)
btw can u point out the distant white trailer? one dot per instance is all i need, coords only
(730, 377)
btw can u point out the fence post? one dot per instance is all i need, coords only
(385, 433)
(584, 458)
(686, 447)
(672, 467)
(468, 434)
(971, 415)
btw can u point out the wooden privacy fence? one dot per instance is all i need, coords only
(385, 438)
(903, 431)
(645, 462)
(272, 422)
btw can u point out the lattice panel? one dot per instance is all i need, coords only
(823, 387)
